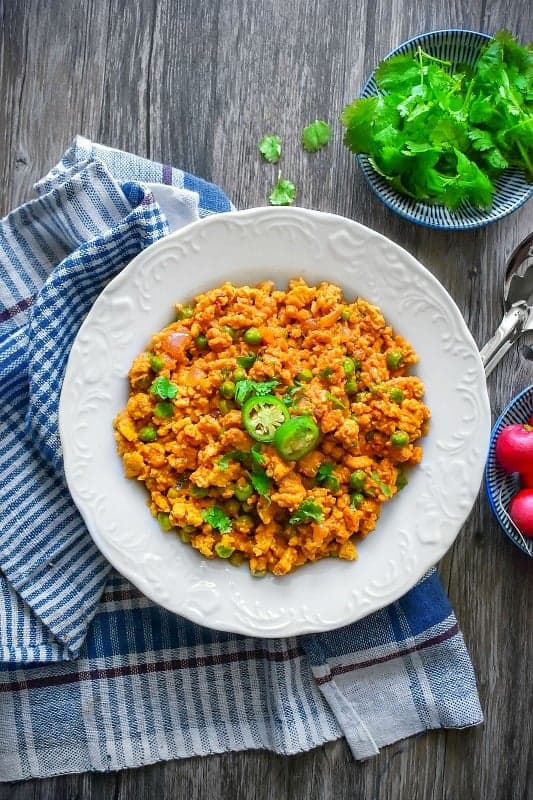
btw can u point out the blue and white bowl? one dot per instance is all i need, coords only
(501, 486)
(512, 190)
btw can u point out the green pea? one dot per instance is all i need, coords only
(164, 521)
(242, 493)
(399, 439)
(164, 409)
(244, 522)
(173, 493)
(357, 499)
(223, 550)
(331, 483)
(201, 341)
(232, 333)
(156, 362)
(225, 405)
(305, 375)
(401, 481)
(350, 387)
(348, 367)
(239, 374)
(253, 336)
(199, 491)
(397, 395)
(358, 480)
(346, 314)
(148, 434)
(185, 313)
(185, 533)
(394, 359)
(227, 389)
(236, 559)
(258, 573)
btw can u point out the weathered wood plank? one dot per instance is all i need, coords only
(197, 84)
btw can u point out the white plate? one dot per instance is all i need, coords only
(416, 527)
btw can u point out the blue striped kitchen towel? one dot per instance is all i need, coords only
(93, 675)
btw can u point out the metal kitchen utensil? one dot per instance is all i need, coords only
(518, 305)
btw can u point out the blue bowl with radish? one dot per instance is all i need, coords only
(509, 471)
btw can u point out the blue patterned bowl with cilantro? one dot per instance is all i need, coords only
(443, 128)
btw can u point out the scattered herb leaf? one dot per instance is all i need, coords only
(283, 193)
(246, 361)
(164, 388)
(261, 482)
(326, 373)
(292, 394)
(316, 135)
(257, 457)
(306, 511)
(247, 388)
(217, 518)
(335, 401)
(383, 486)
(325, 475)
(232, 455)
(270, 148)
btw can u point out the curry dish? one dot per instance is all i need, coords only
(270, 426)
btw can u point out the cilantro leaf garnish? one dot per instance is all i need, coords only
(326, 373)
(164, 388)
(316, 135)
(270, 148)
(306, 511)
(246, 388)
(325, 476)
(292, 395)
(261, 482)
(283, 193)
(217, 518)
(232, 455)
(383, 486)
(258, 458)
(336, 402)
(246, 361)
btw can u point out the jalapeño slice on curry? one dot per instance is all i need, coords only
(296, 437)
(262, 416)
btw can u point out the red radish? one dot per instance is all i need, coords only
(521, 511)
(514, 449)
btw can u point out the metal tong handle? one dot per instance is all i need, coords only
(508, 331)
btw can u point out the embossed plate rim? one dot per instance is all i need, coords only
(417, 527)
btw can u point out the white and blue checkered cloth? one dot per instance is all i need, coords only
(93, 675)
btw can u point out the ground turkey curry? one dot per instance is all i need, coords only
(270, 426)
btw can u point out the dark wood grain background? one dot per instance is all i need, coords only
(196, 83)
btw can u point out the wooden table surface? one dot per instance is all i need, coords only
(196, 83)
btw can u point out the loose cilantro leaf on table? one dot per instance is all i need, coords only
(270, 148)
(217, 518)
(441, 133)
(316, 135)
(164, 388)
(283, 193)
(307, 510)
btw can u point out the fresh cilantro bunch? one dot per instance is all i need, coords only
(441, 133)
